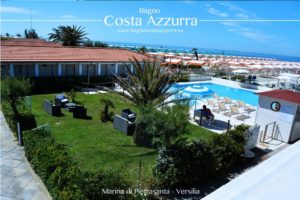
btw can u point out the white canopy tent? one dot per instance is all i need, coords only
(241, 71)
(291, 81)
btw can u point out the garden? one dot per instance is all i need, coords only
(77, 158)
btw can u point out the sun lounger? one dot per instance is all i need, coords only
(247, 108)
(222, 108)
(235, 111)
(211, 103)
(217, 97)
(229, 100)
(242, 117)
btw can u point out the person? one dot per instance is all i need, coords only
(208, 114)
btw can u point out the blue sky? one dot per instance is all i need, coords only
(271, 37)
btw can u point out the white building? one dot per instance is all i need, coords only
(39, 58)
(278, 115)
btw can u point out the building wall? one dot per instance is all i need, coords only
(296, 127)
(284, 117)
(28, 70)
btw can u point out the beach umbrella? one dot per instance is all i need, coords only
(196, 63)
(241, 71)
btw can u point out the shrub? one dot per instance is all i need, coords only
(61, 174)
(72, 94)
(166, 127)
(11, 91)
(184, 165)
(27, 120)
(95, 182)
(228, 148)
(105, 115)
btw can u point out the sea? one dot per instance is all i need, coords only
(180, 49)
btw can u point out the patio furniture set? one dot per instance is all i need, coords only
(61, 101)
(227, 107)
(125, 122)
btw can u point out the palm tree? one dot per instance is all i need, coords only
(31, 33)
(68, 35)
(149, 83)
(142, 50)
(105, 115)
(195, 52)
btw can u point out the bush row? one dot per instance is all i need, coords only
(61, 174)
(188, 164)
(58, 171)
(41, 84)
(26, 119)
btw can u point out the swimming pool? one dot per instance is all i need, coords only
(234, 93)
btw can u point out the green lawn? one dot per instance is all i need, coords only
(95, 144)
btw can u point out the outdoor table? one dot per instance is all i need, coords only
(70, 106)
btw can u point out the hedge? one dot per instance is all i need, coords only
(58, 171)
(61, 174)
(189, 164)
(26, 119)
(184, 164)
(40, 85)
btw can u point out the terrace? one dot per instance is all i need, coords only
(96, 144)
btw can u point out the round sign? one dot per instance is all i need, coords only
(275, 106)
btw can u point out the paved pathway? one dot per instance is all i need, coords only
(17, 181)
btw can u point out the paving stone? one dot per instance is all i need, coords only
(39, 196)
(5, 169)
(17, 180)
(5, 198)
(17, 172)
(12, 163)
(6, 181)
(27, 195)
(8, 192)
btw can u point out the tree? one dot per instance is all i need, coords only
(105, 115)
(142, 50)
(149, 83)
(31, 33)
(68, 35)
(88, 43)
(18, 35)
(7, 34)
(100, 44)
(12, 89)
(195, 52)
(72, 94)
(166, 127)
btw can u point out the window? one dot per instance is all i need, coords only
(275, 106)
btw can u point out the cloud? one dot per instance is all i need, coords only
(234, 24)
(189, 2)
(216, 12)
(68, 16)
(242, 16)
(252, 34)
(14, 10)
(239, 12)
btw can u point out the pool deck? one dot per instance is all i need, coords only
(221, 120)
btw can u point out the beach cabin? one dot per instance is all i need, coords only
(278, 115)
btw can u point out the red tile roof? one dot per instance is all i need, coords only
(65, 54)
(28, 42)
(286, 95)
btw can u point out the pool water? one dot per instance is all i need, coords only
(223, 91)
